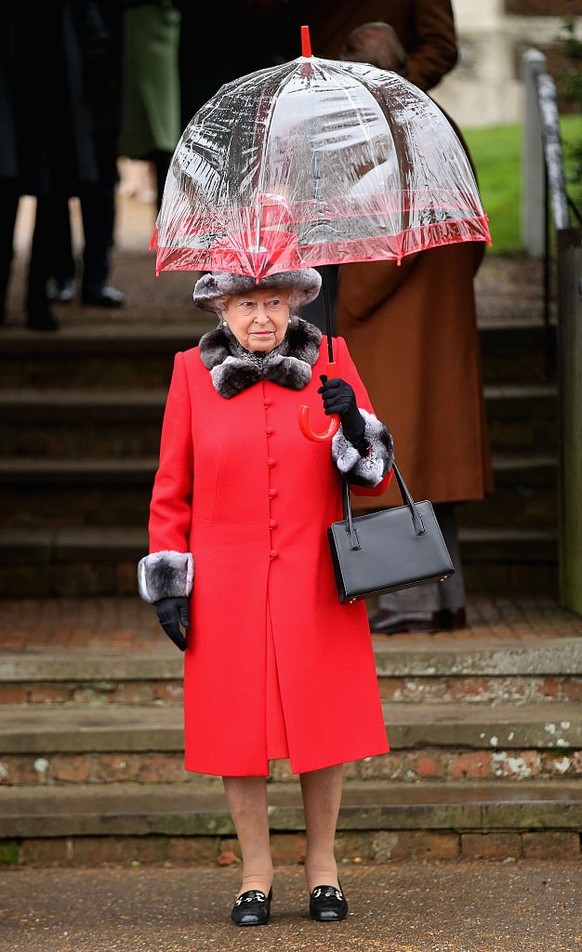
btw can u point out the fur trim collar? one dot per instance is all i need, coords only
(234, 369)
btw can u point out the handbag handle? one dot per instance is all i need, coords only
(417, 523)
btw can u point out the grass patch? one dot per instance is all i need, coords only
(497, 155)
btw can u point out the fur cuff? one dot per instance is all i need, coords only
(371, 469)
(165, 575)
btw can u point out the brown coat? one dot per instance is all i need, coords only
(426, 29)
(412, 332)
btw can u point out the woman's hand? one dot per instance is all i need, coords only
(339, 397)
(173, 613)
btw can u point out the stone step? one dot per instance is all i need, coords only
(525, 495)
(517, 351)
(146, 727)
(141, 354)
(490, 671)
(97, 356)
(81, 561)
(81, 423)
(522, 418)
(89, 423)
(112, 491)
(201, 807)
(450, 742)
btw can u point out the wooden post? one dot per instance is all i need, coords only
(569, 336)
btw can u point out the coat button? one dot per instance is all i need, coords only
(272, 524)
(267, 403)
(270, 462)
(273, 554)
(269, 431)
(272, 493)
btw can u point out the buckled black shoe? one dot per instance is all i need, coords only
(327, 904)
(252, 908)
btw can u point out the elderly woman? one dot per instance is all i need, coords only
(241, 575)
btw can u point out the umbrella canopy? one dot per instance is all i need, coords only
(314, 162)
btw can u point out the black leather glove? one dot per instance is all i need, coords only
(338, 397)
(173, 613)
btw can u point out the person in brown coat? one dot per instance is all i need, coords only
(425, 28)
(412, 331)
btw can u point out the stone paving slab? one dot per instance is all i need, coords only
(473, 906)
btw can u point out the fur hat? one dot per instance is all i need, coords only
(212, 289)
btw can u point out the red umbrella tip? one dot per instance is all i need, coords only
(305, 42)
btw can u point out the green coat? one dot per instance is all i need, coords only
(151, 98)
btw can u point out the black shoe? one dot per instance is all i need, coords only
(60, 290)
(40, 318)
(252, 908)
(453, 619)
(387, 622)
(102, 296)
(327, 904)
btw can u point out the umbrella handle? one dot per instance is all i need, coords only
(334, 420)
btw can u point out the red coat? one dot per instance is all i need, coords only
(276, 667)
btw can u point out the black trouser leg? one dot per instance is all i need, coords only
(98, 213)
(40, 316)
(9, 201)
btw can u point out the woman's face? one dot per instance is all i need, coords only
(258, 319)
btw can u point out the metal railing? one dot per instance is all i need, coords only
(545, 202)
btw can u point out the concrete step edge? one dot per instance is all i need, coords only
(483, 657)
(24, 468)
(199, 808)
(133, 335)
(114, 397)
(88, 537)
(28, 730)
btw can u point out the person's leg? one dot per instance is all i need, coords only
(452, 590)
(322, 793)
(61, 263)
(9, 201)
(161, 161)
(40, 316)
(412, 609)
(98, 212)
(247, 802)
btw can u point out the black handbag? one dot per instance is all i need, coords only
(389, 549)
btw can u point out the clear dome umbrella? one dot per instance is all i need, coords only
(310, 163)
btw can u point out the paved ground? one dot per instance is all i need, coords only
(459, 907)
(30, 624)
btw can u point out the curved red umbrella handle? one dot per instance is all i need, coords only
(334, 420)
